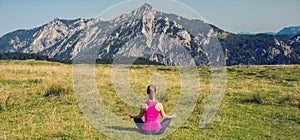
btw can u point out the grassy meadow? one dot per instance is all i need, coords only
(37, 101)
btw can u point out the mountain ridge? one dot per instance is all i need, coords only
(144, 29)
(289, 30)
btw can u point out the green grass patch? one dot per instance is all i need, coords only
(37, 101)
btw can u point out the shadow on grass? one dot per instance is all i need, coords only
(120, 128)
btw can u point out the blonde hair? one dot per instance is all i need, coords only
(151, 90)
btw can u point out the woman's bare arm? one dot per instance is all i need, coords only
(162, 112)
(141, 114)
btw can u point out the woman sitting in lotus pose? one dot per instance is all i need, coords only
(151, 110)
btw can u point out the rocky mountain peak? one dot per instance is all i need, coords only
(144, 11)
(55, 21)
(145, 7)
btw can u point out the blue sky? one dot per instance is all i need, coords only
(231, 15)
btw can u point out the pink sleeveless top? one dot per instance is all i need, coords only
(151, 118)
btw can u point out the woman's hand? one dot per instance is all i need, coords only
(131, 116)
(174, 115)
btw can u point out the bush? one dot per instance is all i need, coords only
(57, 90)
(256, 98)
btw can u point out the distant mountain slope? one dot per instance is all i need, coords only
(269, 33)
(261, 49)
(289, 31)
(153, 35)
(245, 33)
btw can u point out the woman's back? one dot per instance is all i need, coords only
(151, 111)
(151, 117)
